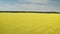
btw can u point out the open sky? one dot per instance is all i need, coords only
(29, 5)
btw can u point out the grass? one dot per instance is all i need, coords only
(29, 23)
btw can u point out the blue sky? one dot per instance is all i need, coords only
(29, 5)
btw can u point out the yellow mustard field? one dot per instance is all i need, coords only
(29, 23)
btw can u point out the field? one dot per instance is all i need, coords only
(29, 23)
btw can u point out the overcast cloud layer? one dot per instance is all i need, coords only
(29, 5)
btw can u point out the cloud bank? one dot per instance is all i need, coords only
(28, 5)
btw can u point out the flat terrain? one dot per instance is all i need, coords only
(29, 23)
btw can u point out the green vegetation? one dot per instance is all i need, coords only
(29, 12)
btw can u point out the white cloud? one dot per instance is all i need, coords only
(36, 1)
(28, 7)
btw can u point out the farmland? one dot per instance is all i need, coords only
(29, 23)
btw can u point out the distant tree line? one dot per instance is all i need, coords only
(29, 12)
